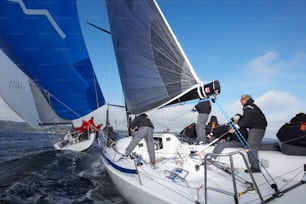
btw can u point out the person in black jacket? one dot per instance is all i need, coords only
(253, 119)
(145, 129)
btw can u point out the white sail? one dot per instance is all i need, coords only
(46, 114)
(23, 96)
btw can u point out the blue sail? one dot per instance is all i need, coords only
(44, 39)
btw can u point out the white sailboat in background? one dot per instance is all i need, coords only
(56, 82)
(17, 90)
(155, 72)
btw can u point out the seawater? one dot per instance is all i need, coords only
(32, 171)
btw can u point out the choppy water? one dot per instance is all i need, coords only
(31, 171)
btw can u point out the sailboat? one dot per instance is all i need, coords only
(44, 45)
(155, 73)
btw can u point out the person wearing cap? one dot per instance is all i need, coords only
(232, 140)
(145, 130)
(203, 108)
(254, 119)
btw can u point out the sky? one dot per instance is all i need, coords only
(256, 47)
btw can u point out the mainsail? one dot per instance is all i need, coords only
(153, 68)
(45, 41)
(23, 96)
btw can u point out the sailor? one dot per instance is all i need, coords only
(92, 124)
(83, 131)
(93, 127)
(91, 121)
(84, 126)
(253, 119)
(204, 109)
(145, 130)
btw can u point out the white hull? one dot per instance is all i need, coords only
(155, 185)
(70, 143)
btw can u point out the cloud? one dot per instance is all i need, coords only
(117, 117)
(174, 118)
(271, 66)
(294, 68)
(279, 107)
(265, 65)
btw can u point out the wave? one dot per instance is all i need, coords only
(47, 177)
(33, 172)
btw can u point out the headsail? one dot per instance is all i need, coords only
(45, 41)
(153, 68)
(17, 90)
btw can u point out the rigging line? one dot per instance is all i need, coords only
(95, 87)
(242, 140)
(49, 95)
(183, 113)
(238, 134)
(95, 82)
(99, 28)
(296, 169)
(161, 120)
(184, 103)
(75, 113)
(170, 182)
(286, 173)
(287, 183)
(289, 172)
(287, 141)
